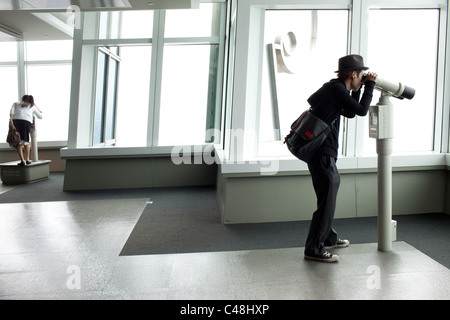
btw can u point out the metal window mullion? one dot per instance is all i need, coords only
(228, 80)
(440, 107)
(48, 62)
(117, 42)
(156, 78)
(213, 111)
(105, 99)
(443, 85)
(192, 41)
(112, 108)
(21, 72)
(219, 106)
(355, 133)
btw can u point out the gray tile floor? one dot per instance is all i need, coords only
(70, 250)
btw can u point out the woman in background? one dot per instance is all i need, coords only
(21, 117)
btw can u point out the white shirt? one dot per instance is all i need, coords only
(23, 111)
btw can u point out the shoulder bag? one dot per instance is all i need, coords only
(13, 137)
(307, 134)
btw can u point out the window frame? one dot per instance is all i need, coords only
(246, 87)
(21, 64)
(84, 58)
(356, 130)
(107, 108)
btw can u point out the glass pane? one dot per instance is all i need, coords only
(114, 25)
(50, 87)
(192, 23)
(184, 94)
(8, 83)
(48, 50)
(137, 24)
(118, 25)
(8, 51)
(111, 100)
(103, 25)
(133, 96)
(412, 61)
(99, 99)
(109, 25)
(313, 42)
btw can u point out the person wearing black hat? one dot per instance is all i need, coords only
(328, 103)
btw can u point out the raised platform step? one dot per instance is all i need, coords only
(11, 173)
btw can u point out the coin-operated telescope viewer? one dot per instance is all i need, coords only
(381, 128)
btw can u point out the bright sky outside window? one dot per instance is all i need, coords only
(50, 87)
(8, 80)
(186, 86)
(315, 40)
(184, 95)
(8, 51)
(188, 76)
(412, 61)
(133, 96)
(49, 82)
(136, 24)
(191, 23)
(48, 50)
(8, 83)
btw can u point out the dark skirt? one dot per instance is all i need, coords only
(23, 127)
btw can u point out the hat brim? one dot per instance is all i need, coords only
(351, 69)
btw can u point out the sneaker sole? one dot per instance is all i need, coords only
(334, 258)
(337, 246)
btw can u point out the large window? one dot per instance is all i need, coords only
(50, 87)
(412, 61)
(133, 96)
(302, 48)
(286, 50)
(48, 72)
(184, 94)
(189, 75)
(301, 51)
(42, 69)
(165, 89)
(105, 96)
(8, 81)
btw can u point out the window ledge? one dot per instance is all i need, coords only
(132, 152)
(289, 165)
(282, 165)
(41, 145)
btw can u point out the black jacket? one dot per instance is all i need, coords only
(333, 100)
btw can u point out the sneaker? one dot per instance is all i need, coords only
(339, 244)
(21, 164)
(28, 162)
(324, 257)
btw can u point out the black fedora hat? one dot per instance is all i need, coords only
(351, 62)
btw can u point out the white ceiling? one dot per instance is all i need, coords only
(37, 26)
(51, 19)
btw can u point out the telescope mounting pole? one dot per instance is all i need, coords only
(34, 143)
(384, 151)
(381, 127)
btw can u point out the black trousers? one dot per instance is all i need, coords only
(326, 180)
